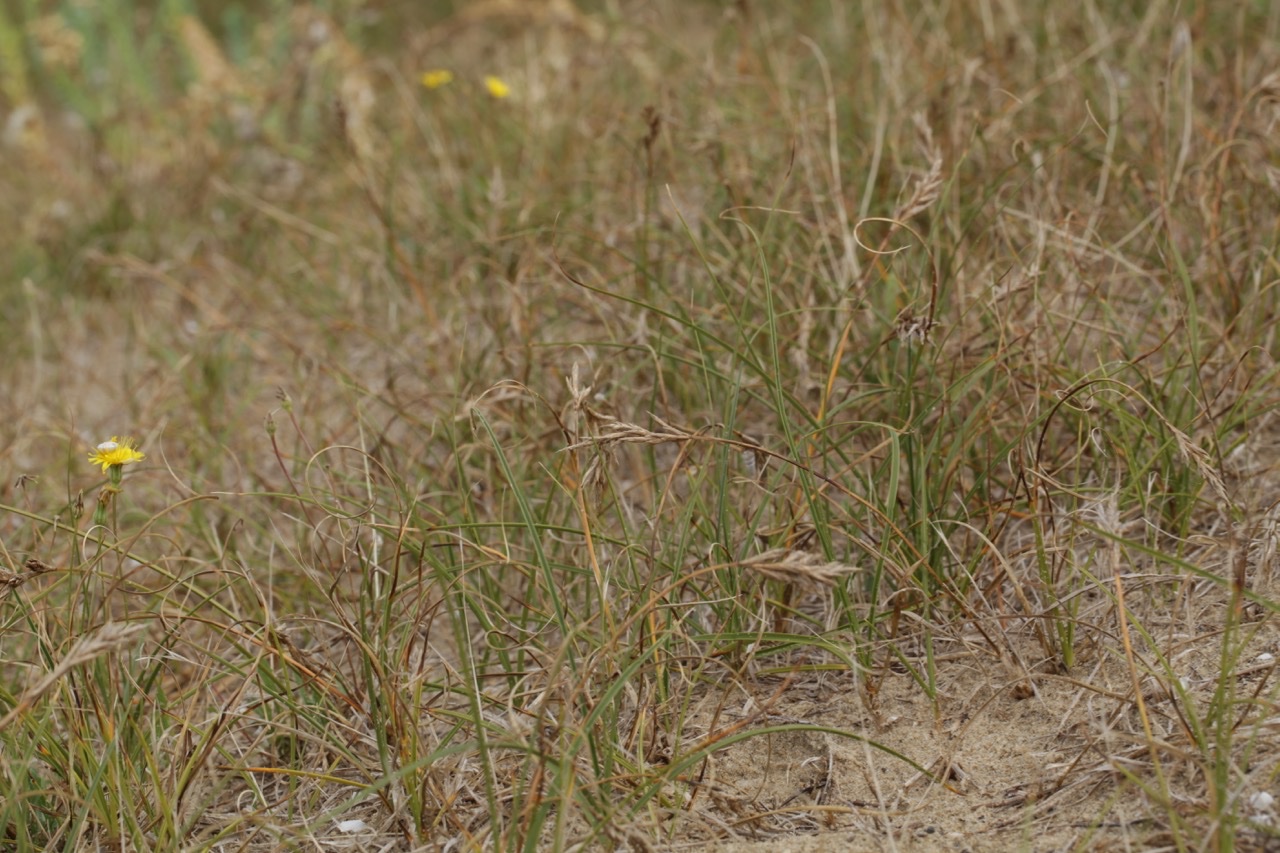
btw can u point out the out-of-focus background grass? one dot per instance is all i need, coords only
(515, 453)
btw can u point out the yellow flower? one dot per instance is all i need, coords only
(437, 77)
(496, 87)
(117, 451)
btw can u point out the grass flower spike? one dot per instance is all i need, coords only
(437, 77)
(496, 87)
(117, 452)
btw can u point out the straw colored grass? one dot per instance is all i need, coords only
(846, 424)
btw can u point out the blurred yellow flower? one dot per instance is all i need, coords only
(117, 451)
(437, 77)
(496, 87)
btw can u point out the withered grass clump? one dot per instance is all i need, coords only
(763, 420)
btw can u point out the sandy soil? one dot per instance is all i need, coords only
(1041, 764)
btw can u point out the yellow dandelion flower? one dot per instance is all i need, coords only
(117, 451)
(496, 87)
(437, 77)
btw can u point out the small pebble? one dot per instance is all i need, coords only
(1262, 801)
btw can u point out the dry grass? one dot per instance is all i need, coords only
(851, 424)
